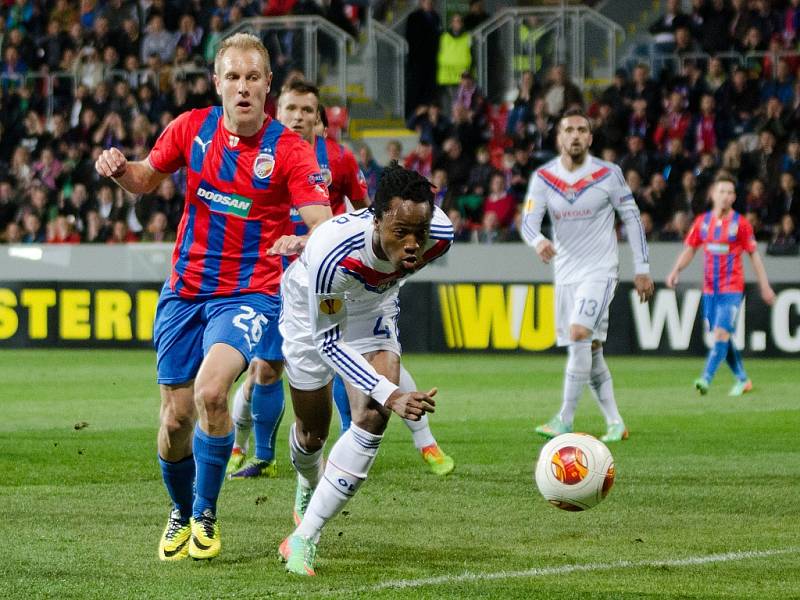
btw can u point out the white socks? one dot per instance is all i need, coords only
(348, 464)
(307, 464)
(242, 418)
(603, 387)
(420, 430)
(579, 367)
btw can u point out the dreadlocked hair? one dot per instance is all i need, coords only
(397, 181)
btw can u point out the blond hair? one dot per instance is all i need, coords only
(241, 41)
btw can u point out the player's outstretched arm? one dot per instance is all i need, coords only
(313, 215)
(411, 405)
(767, 293)
(683, 261)
(135, 177)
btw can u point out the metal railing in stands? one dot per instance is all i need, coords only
(389, 59)
(309, 43)
(678, 61)
(46, 85)
(537, 38)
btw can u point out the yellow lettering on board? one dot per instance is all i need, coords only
(112, 315)
(74, 315)
(538, 329)
(484, 315)
(37, 301)
(146, 302)
(9, 320)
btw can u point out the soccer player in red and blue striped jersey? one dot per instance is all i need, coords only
(259, 401)
(724, 235)
(221, 302)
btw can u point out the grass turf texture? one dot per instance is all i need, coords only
(82, 509)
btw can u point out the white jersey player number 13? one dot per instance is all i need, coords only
(581, 194)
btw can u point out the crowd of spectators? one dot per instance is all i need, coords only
(670, 132)
(128, 68)
(138, 64)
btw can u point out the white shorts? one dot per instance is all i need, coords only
(584, 304)
(306, 369)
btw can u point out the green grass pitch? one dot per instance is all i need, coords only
(704, 505)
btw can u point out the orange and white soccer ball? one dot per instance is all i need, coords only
(575, 471)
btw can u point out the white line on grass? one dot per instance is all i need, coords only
(560, 570)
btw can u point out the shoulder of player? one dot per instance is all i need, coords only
(547, 167)
(743, 223)
(441, 226)
(192, 119)
(331, 243)
(289, 140)
(598, 164)
(339, 230)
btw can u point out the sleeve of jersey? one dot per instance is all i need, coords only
(693, 237)
(168, 153)
(746, 236)
(356, 184)
(441, 236)
(625, 205)
(328, 311)
(533, 213)
(305, 182)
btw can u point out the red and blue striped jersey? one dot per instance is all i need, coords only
(341, 174)
(239, 192)
(723, 241)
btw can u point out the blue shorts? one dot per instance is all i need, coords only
(721, 310)
(185, 330)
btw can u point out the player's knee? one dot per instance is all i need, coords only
(311, 439)
(370, 419)
(266, 372)
(176, 423)
(578, 333)
(596, 345)
(721, 335)
(213, 397)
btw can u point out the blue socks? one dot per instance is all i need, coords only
(734, 360)
(211, 453)
(715, 356)
(342, 403)
(267, 409)
(179, 481)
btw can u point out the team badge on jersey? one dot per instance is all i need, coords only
(264, 165)
(327, 175)
(330, 306)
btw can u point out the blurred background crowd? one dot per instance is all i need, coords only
(130, 67)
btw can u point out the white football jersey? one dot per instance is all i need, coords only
(345, 285)
(581, 206)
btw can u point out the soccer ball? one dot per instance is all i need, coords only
(575, 471)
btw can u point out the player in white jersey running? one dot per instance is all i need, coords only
(340, 309)
(299, 109)
(580, 194)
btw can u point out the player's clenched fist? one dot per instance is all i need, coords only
(546, 250)
(412, 405)
(111, 163)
